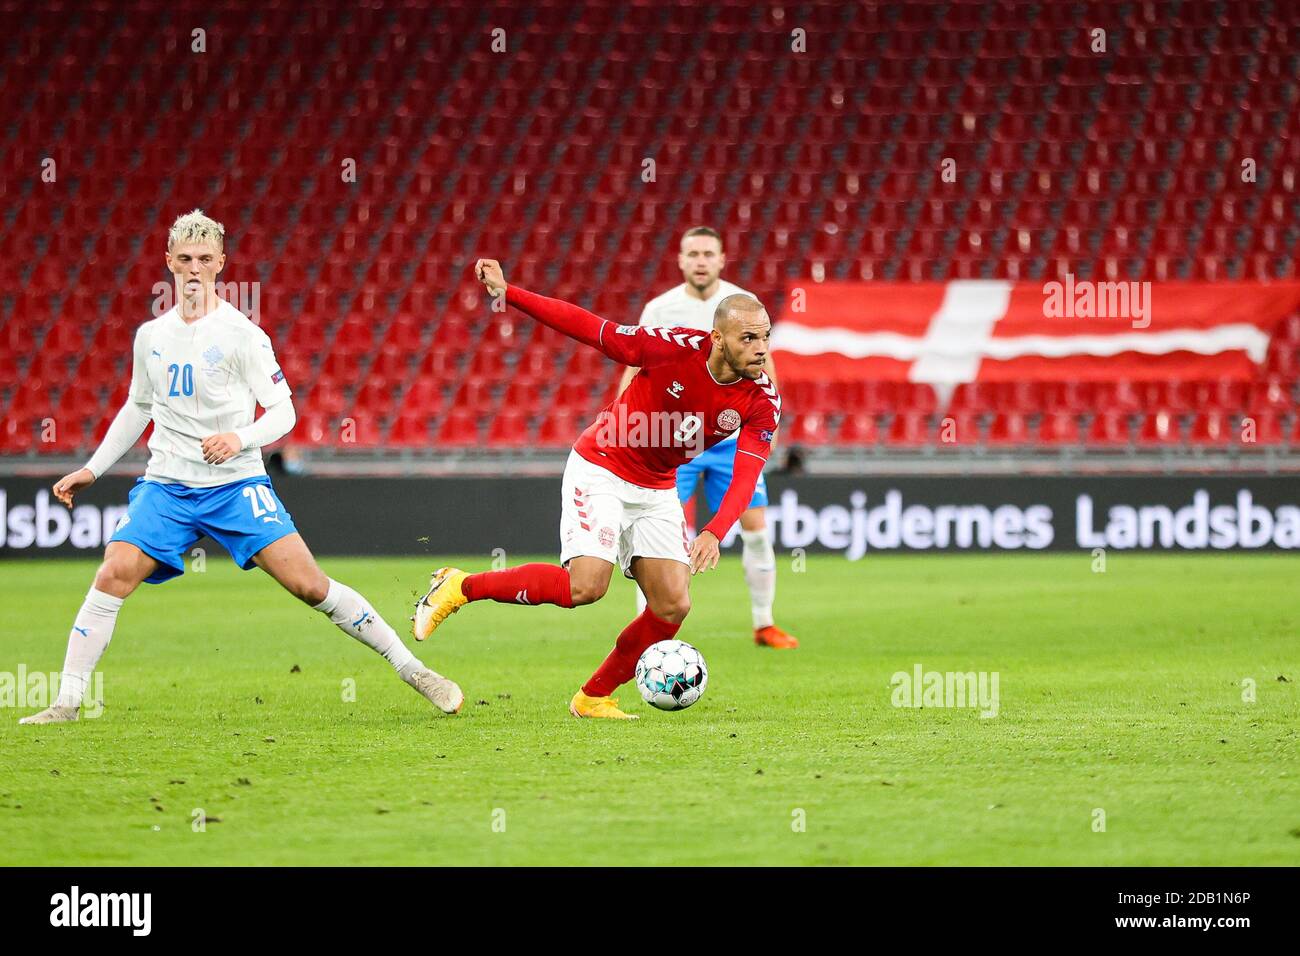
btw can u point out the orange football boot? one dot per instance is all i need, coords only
(773, 636)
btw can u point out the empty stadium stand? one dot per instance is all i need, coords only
(823, 162)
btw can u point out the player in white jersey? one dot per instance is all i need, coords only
(692, 305)
(198, 371)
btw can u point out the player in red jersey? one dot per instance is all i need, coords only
(619, 501)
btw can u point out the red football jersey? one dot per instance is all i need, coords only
(673, 410)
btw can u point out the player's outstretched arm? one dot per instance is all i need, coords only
(574, 321)
(128, 425)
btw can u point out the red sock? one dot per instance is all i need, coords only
(526, 584)
(620, 665)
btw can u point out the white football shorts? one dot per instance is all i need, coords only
(603, 516)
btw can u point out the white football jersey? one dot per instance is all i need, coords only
(202, 379)
(676, 308)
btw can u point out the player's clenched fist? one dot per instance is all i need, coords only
(219, 448)
(490, 274)
(66, 488)
(704, 552)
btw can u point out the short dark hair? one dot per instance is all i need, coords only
(702, 231)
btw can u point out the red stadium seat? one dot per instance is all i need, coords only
(1159, 428)
(1109, 429)
(1258, 430)
(858, 429)
(1009, 428)
(1210, 428)
(16, 436)
(909, 429)
(509, 429)
(957, 430)
(410, 430)
(811, 428)
(561, 428)
(459, 429)
(1059, 428)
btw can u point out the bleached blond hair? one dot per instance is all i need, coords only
(194, 226)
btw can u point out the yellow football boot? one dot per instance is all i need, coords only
(584, 706)
(444, 597)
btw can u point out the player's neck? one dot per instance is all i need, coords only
(705, 293)
(192, 312)
(722, 373)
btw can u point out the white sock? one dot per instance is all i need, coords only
(91, 632)
(354, 616)
(759, 561)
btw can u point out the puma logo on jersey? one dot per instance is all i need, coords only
(522, 597)
(675, 390)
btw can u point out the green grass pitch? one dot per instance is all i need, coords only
(1120, 693)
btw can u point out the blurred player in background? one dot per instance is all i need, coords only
(619, 503)
(691, 305)
(198, 370)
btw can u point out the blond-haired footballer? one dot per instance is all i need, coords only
(198, 370)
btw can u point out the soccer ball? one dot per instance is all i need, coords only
(671, 675)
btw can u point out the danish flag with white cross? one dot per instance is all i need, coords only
(945, 333)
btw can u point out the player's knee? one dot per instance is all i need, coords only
(672, 609)
(312, 590)
(116, 578)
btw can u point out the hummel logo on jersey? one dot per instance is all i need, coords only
(677, 338)
(675, 390)
(522, 597)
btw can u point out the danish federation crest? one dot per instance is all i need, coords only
(728, 420)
